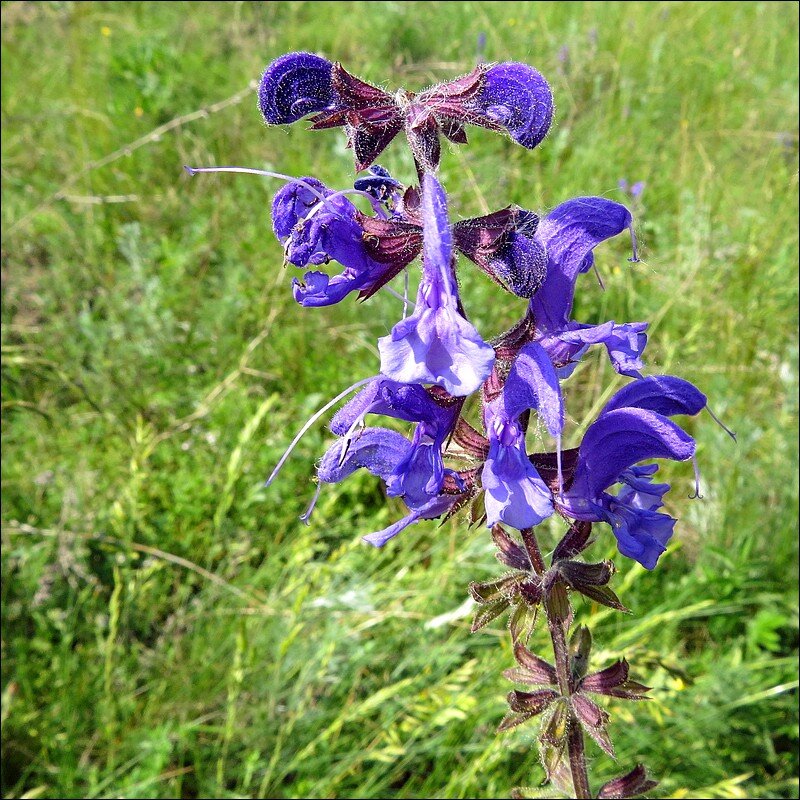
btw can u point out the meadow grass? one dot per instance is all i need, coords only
(170, 629)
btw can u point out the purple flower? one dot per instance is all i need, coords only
(293, 86)
(382, 452)
(418, 476)
(436, 344)
(635, 191)
(516, 97)
(569, 234)
(318, 226)
(515, 492)
(633, 427)
(507, 96)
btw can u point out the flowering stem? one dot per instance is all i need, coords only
(577, 759)
(575, 744)
(575, 748)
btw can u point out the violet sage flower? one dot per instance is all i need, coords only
(634, 426)
(418, 476)
(514, 491)
(569, 235)
(315, 231)
(382, 452)
(436, 344)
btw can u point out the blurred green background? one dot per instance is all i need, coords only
(170, 629)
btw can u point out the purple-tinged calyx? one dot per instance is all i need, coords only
(633, 784)
(436, 344)
(502, 245)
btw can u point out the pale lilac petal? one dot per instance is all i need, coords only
(437, 248)
(377, 449)
(317, 289)
(625, 347)
(514, 492)
(439, 346)
(533, 383)
(625, 344)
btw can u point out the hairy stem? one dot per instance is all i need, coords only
(557, 628)
(575, 746)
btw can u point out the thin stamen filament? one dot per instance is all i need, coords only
(305, 517)
(721, 423)
(309, 422)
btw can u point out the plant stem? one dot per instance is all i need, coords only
(575, 744)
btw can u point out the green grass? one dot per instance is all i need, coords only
(169, 628)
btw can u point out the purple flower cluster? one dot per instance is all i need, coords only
(435, 358)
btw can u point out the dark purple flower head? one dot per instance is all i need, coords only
(507, 96)
(314, 232)
(517, 98)
(437, 344)
(568, 236)
(293, 86)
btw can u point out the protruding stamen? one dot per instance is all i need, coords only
(696, 495)
(598, 276)
(721, 423)
(634, 259)
(266, 173)
(311, 420)
(305, 517)
(406, 301)
(558, 466)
